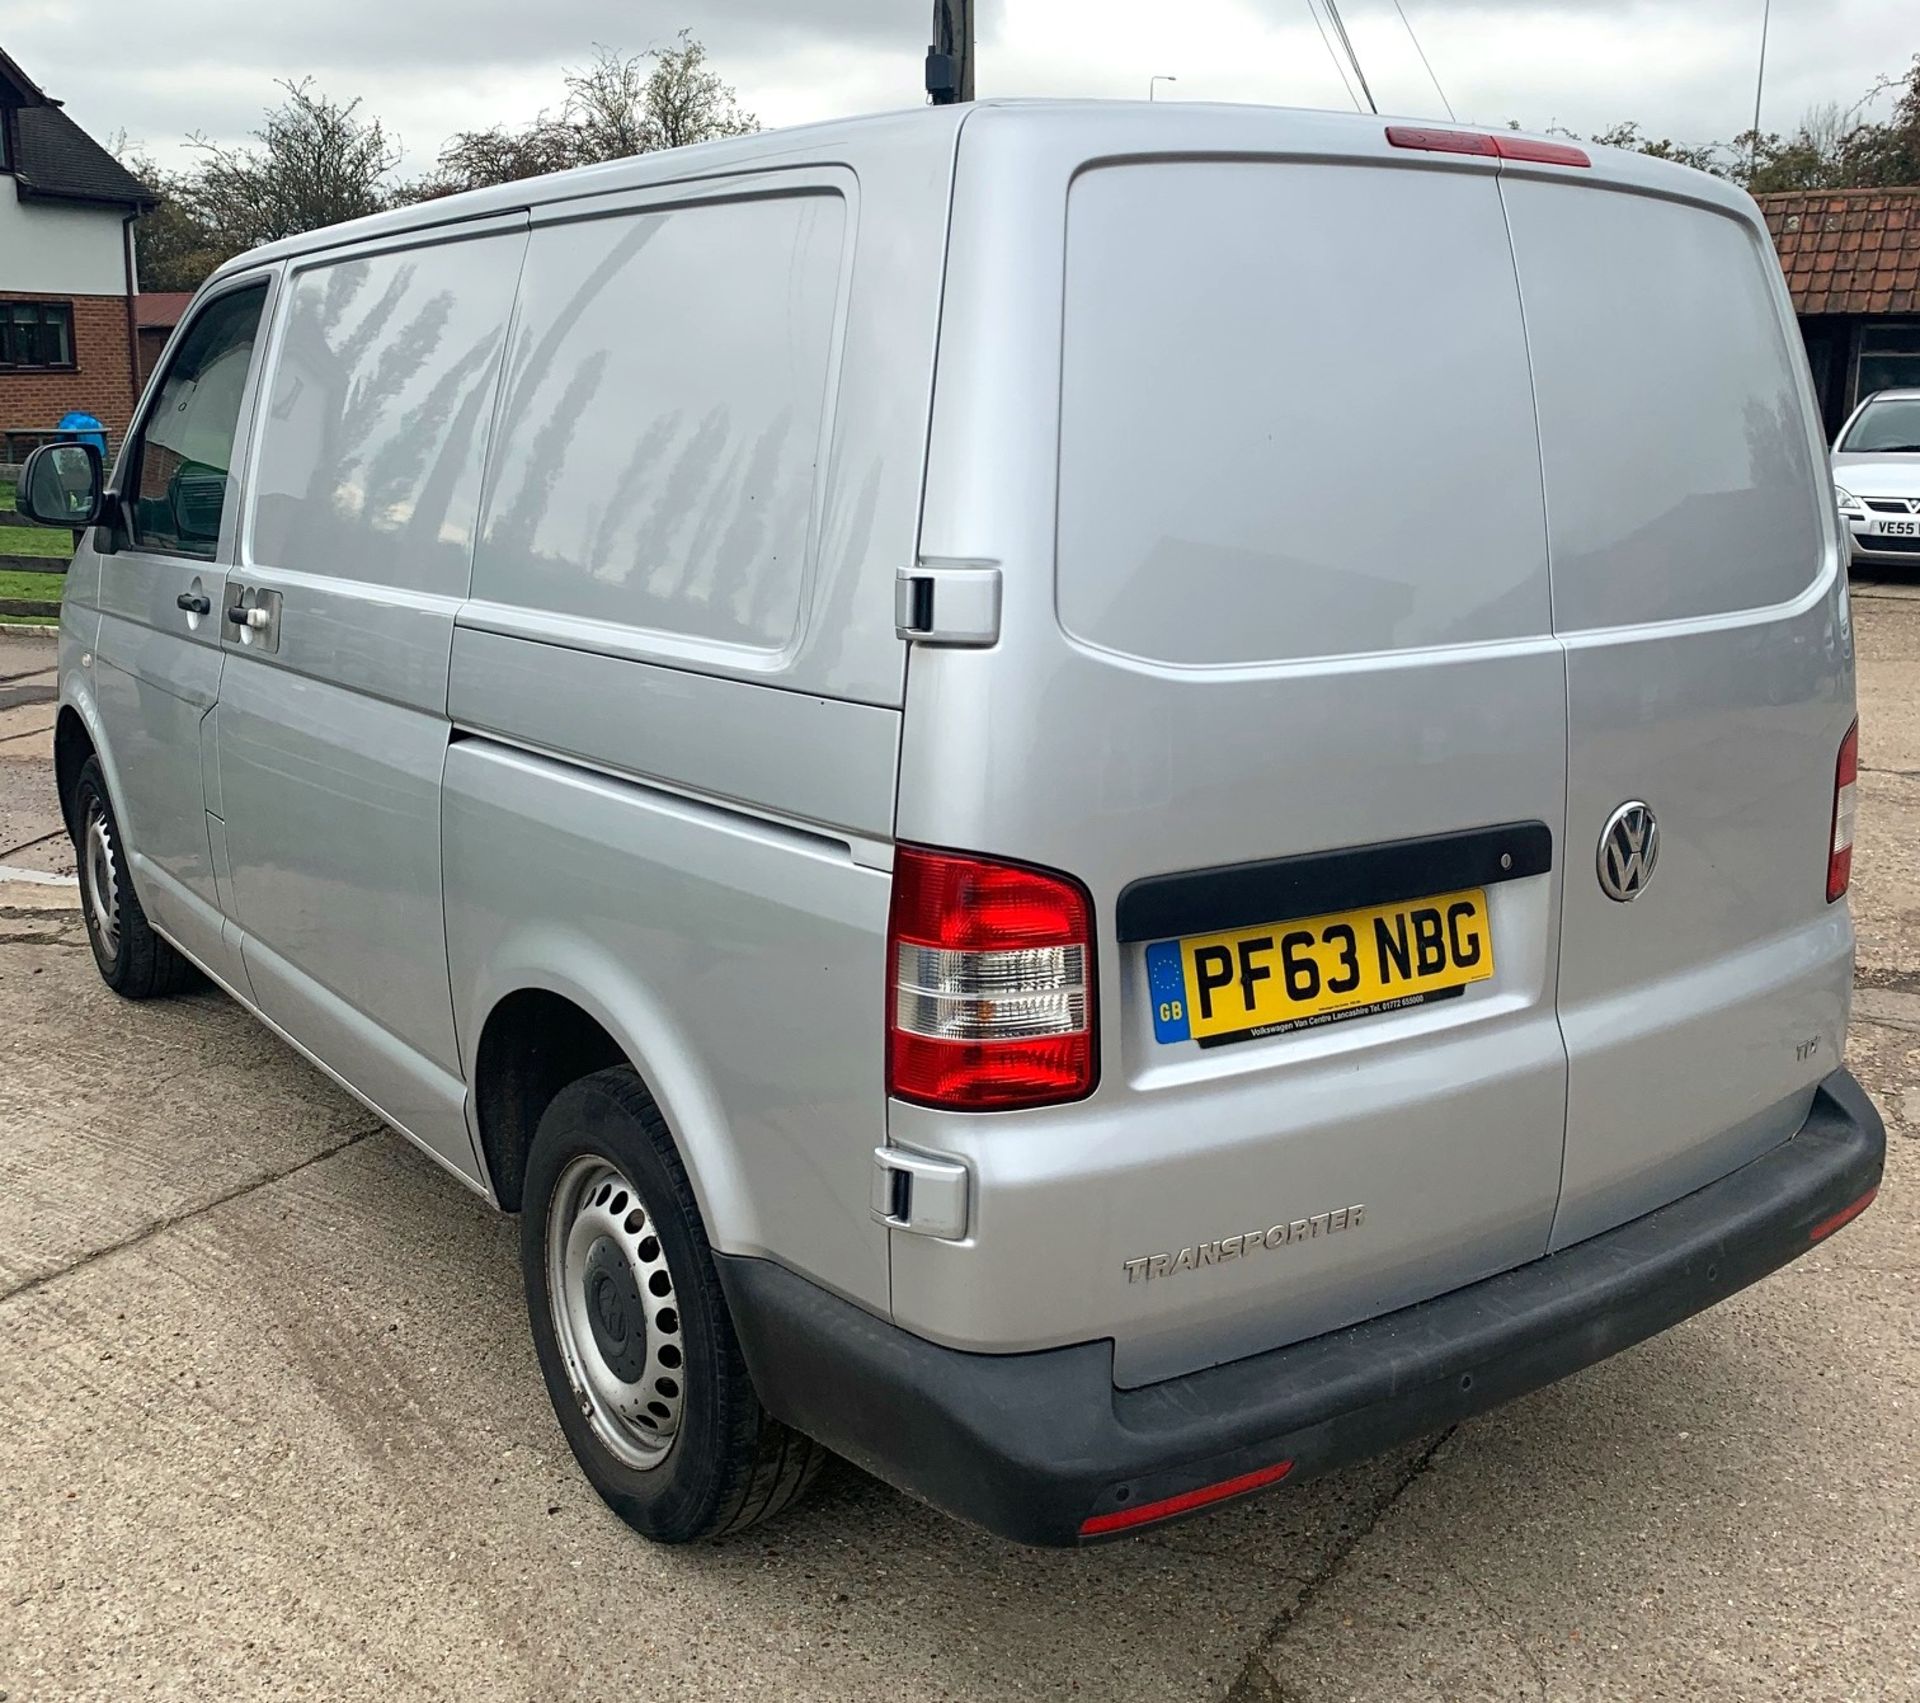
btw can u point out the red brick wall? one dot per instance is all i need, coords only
(99, 382)
(153, 339)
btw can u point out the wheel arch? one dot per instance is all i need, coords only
(544, 1028)
(73, 744)
(79, 733)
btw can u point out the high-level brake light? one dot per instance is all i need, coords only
(1490, 144)
(990, 1004)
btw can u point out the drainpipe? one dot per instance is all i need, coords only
(133, 318)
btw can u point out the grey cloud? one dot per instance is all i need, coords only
(212, 70)
(442, 37)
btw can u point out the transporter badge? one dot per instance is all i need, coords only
(1149, 1266)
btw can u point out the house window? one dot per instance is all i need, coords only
(1889, 358)
(36, 334)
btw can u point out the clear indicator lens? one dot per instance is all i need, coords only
(991, 996)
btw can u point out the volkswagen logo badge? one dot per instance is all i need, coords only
(1629, 849)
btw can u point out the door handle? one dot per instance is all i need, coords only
(241, 616)
(193, 603)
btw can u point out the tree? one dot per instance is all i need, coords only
(1833, 147)
(614, 108)
(1704, 156)
(475, 158)
(1878, 156)
(174, 249)
(318, 162)
(688, 103)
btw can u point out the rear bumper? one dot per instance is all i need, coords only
(1032, 1446)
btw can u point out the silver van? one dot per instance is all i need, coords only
(1099, 804)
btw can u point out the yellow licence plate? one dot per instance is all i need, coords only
(1216, 988)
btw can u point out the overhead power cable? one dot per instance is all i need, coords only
(1417, 48)
(1326, 41)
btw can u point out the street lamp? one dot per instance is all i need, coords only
(1159, 79)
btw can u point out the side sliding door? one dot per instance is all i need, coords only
(355, 551)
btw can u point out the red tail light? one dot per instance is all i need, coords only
(1846, 776)
(991, 999)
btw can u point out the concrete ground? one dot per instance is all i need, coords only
(273, 1426)
(31, 835)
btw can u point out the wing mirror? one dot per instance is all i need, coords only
(61, 485)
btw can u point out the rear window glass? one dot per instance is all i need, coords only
(1294, 414)
(1676, 441)
(661, 433)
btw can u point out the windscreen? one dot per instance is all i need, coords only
(1295, 417)
(1887, 427)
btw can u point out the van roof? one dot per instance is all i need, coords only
(1108, 127)
(927, 127)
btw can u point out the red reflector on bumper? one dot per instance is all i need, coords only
(1185, 1502)
(1846, 1215)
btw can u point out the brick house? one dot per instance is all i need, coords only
(68, 337)
(156, 313)
(1852, 260)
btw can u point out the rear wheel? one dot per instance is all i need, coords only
(632, 1330)
(134, 961)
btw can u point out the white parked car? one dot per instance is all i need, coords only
(1876, 477)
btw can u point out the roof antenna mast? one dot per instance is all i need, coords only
(950, 58)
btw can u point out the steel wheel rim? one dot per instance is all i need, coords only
(615, 1311)
(102, 885)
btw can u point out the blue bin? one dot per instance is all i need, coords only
(78, 427)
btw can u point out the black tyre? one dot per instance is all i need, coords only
(633, 1333)
(134, 961)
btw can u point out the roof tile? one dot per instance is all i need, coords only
(1848, 251)
(60, 160)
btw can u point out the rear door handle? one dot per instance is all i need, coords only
(193, 603)
(241, 616)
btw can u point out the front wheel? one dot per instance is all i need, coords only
(632, 1330)
(134, 961)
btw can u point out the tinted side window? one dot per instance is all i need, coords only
(376, 413)
(661, 431)
(184, 453)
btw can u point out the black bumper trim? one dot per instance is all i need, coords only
(1030, 1445)
(1245, 895)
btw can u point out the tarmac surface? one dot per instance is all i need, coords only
(270, 1423)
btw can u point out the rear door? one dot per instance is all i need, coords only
(1709, 679)
(1276, 642)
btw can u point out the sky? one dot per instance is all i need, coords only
(428, 68)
